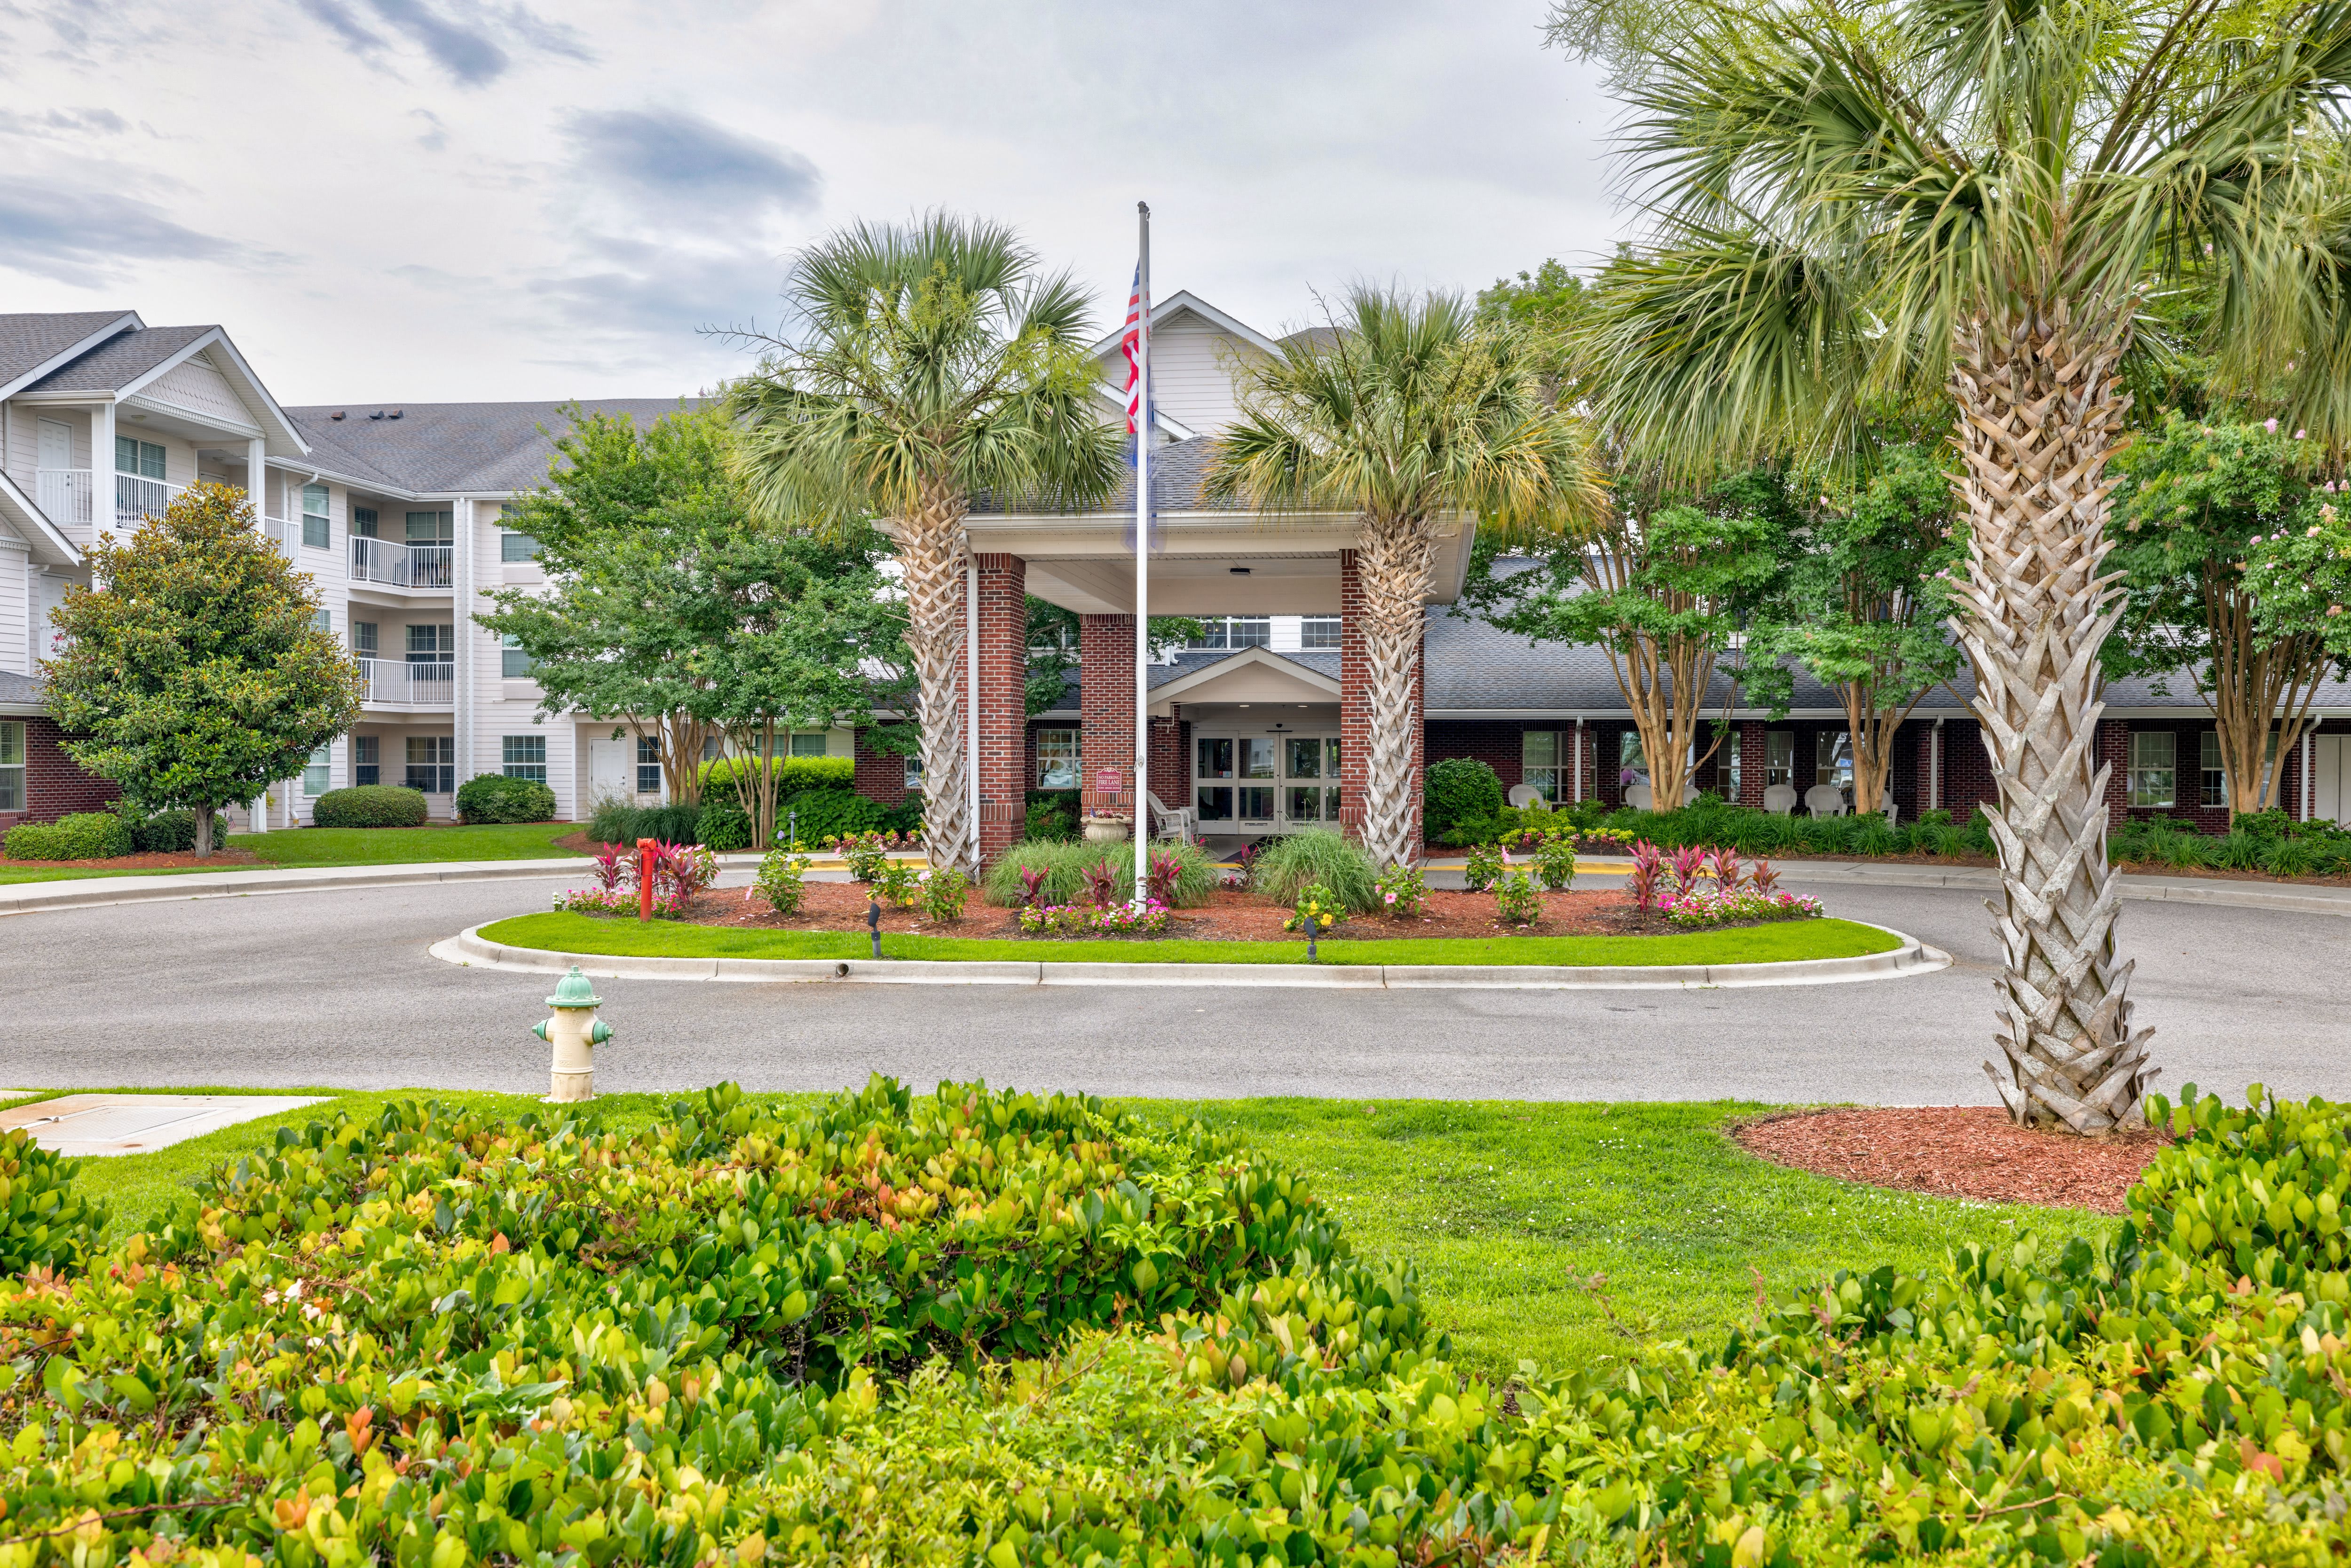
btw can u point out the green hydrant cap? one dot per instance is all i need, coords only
(575, 991)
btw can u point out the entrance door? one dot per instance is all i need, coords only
(2331, 778)
(612, 773)
(1309, 781)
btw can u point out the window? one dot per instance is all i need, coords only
(1317, 630)
(2153, 774)
(1212, 760)
(514, 547)
(1779, 758)
(12, 766)
(431, 528)
(1544, 762)
(1833, 758)
(808, 743)
(1726, 766)
(1056, 759)
(313, 774)
(913, 775)
(2213, 783)
(363, 522)
(524, 757)
(324, 621)
(1223, 631)
(133, 455)
(363, 639)
(433, 764)
(514, 664)
(367, 760)
(1632, 766)
(431, 644)
(648, 765)
(314, 516)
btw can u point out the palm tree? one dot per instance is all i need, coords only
(1863, 202)
(931, 362)
(1406, 412)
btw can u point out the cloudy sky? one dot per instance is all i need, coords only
(430, 200)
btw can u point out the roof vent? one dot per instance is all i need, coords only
(336, 414)
(377, 415)
(394, 414)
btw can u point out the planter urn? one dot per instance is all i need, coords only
(1107, 829)
(574, 1030)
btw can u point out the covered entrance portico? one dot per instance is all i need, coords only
(1257, 742)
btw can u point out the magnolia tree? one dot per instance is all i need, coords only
(196, 671)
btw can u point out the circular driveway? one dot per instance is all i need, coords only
(335, 989)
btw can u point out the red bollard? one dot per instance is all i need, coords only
(644, 879)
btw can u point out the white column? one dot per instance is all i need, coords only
(102, 471)
(2309, 782)
(1578, 764)
(464, 633)
(256, 481)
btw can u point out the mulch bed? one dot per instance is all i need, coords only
(219, 860)
(1985, 862)
(1227, 917)
(1956, 1151)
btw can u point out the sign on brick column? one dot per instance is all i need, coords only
(1003, 701)
(1106, 710)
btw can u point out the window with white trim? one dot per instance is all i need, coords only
(514, 664)
(1056, 759)
(1833, 758)
(649, 780)
(1544, 762)
(12, 766)
(524, 757)
(315, 527)
(2154, 771)
(1317, 631)
(808, 743)
(1227, 632)
(1779, 758)
(313, 774)
(913, 775)
(432, 764)
(367, 760)
(515, 548)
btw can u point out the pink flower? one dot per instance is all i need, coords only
(2270, 425)
(2300, 435)
(2313, 531)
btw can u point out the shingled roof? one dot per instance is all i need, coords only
(29, 340)
(1178, 470)
(430, 448)
(120, 361)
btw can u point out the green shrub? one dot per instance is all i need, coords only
(1554, 862)
(610, 821)
(723, 778)
(618, 823)
(174, 832)
(782, 883)
(2294, 857)
(494, 798)
(1053, 816)
(1461, 792)
(943, 895)
(1295, 859)
(1516, 900)
(42, 1225)
(816, 815)
(1065, 866)
(364, 806)
(1874, 835)
(79, 836)
(722, 825)
(1315, 910)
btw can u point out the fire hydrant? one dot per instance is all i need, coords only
(575, 1032)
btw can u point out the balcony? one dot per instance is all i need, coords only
(67, 496)
(392, 565)
(394, 682)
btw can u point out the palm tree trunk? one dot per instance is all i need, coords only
(1394, 564)
(932, 554)
(2040, 416)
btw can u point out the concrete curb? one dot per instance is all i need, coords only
(469, 949)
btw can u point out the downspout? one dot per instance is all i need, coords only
(971, 689)
(1579, 759)
(1935, 767)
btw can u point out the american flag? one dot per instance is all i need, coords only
(1131, 344)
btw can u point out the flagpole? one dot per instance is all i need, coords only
(1142, 561)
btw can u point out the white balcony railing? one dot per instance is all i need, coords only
(400, 566)
(63, 495)
(69, 498)
(282, 533)
(136, 497)
(393, 683)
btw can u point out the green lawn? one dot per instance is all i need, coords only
(1510, 1209)
(355, 846)
(567, 932)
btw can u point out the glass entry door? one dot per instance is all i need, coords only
(1309, 781)
(1265, 783)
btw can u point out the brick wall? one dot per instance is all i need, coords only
(1354, 708)
(1751, 763)
(1171, 761)
(55, 784)
(1106, 702)
(880, 775)
(1005, 765)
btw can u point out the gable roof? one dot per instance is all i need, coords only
(34, 343)
(120, 361)
(446, 448)
(1183, 300)
(1178, 470)
(1197, 667)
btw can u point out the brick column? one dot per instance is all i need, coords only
(2114, 750)
(1929, 790)
(1106, 709)
(1751, 763)
(1003, 705)
(1355, 711)
(878, 777)
(1171, 767)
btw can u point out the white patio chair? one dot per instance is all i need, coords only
(1779, 800)
(1523, 796)
(1172, 824)
(1890, 809)
(1824, 800)
(1638, 796)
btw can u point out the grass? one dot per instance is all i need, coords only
(1511, 1210)
(567, 932)
(352, 846)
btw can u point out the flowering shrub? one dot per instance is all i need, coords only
(1485, 867)
(1703, 906)
(616, 901)
(1516, 900)
(1318, 909)
(943, 895)
(897, 883)
(1145, 919)
(615, 868)
(1555, 864)
(866, 853)
(782, 880)
(1402, 891)
(1103, 882)
(1604, 841)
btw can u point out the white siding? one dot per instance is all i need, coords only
(496, 714)
(1193, 365)
(16, 607)
(198, 388)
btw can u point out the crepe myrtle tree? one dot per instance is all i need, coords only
(1894, 196)
(2300, 577)
(924, 365)
(196, 671)
(1861, 599)
(1407, 414)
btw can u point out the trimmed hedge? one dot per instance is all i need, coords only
(720, 775)
(494, 798)
(369, 806)
(174, 832)
(1460, 791)
(975, 1326)
(78, 836)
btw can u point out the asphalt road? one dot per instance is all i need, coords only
(336, 989)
